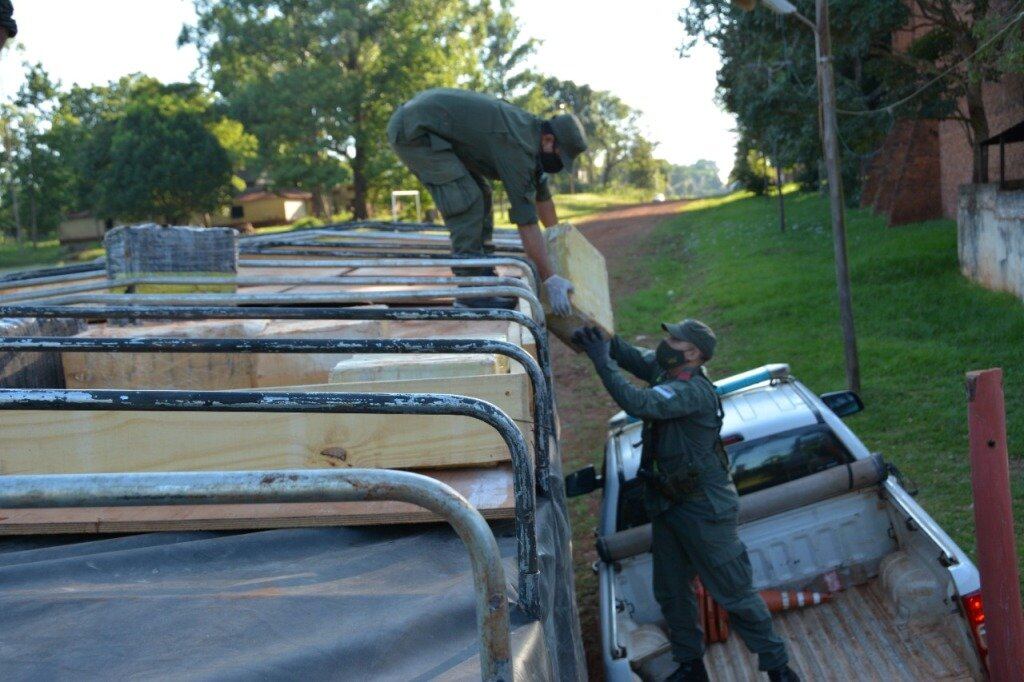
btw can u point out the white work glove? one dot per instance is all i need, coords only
(558, 289)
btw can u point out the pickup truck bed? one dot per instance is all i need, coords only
(857, 636)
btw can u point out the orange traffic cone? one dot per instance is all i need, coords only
(714, 621)
(788, 600)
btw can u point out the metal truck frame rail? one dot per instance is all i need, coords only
(297, 485)
(338, 298)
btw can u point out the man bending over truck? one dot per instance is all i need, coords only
(688, 492)
(456, 141)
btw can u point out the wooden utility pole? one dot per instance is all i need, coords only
(830, 144)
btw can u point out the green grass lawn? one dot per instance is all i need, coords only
(771, 297)
(48, 252)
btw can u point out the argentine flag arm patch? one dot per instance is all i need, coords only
(664, 391)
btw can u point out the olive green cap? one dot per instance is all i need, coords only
(695, 332)
(570, 137)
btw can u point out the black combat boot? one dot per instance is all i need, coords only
(691, 671)
(785, 674)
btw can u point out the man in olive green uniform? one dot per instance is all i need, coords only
(455, 141)
(688, 491)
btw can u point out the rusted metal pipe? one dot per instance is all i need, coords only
(993, 521)
(298, 485)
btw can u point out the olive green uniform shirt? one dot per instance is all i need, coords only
(685, 413)
(492, 138)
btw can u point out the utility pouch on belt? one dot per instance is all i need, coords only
(676, 486)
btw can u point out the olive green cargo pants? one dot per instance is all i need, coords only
(463, 198)
(689, 540)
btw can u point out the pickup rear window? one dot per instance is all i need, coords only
(784, 457)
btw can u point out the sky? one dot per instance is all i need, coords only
(628, 49)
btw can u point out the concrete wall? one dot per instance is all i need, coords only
(990, 237)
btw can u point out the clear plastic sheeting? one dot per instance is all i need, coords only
(387, 603)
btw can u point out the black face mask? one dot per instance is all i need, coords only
(668, 357)
(551, 162)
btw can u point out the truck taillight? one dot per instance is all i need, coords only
(974, 610)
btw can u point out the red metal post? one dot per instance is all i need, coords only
(993, 520)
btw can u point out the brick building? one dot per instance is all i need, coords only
(918, 171)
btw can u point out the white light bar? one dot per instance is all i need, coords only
(754, 376)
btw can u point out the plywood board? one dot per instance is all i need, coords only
(489, 489)
(212, 371)
(38, 442)
(580, 262)
(187, 371)
(284, 369)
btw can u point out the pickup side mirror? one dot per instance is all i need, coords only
(843, 403)
(583, 481)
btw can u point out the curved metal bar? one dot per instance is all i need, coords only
(370, 241)
(543, 409)
(540, 337)
(351, 225)
(298, 485)
(390, 260)
(29, 282)
(243, 281)
(58, 272)
(354, 297)
(324, 403)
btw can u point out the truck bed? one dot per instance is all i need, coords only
(857, 636)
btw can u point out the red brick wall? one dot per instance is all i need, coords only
(1004, 106)
(939, 180)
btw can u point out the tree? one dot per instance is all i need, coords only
(503, 56)
(642, 170)
(610, 124)
(317, 80)
(140, 149)
(696, 180)
(156, 163)
(972, 37)
(34, 178)
(768, 76)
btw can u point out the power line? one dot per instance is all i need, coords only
(893, 105)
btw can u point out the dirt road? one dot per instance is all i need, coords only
(583, 405)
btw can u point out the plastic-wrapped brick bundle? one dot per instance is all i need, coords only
(154, 249)
(34, 370)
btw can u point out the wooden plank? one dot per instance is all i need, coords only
(39, 441)
(308, 368)
(212, 371)
(580, 262)
(191, 371)
(489, 489)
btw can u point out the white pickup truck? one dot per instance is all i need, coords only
(818, 513)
